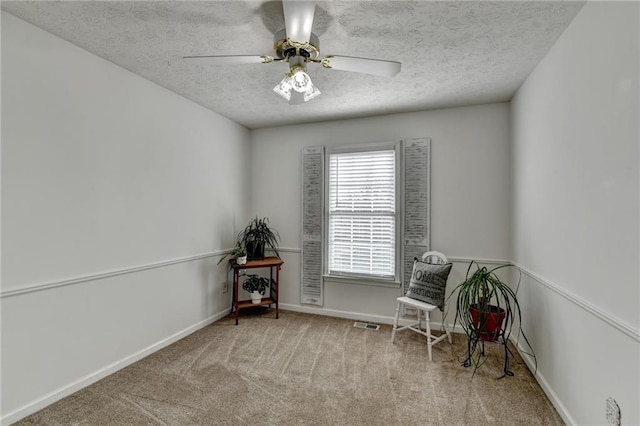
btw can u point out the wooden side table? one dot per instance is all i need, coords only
(274, 264)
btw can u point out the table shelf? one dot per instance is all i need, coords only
(274, 264)
(242, 304)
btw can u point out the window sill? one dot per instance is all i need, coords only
(362, 281)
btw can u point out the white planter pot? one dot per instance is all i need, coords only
(256, 297)
(241, 260)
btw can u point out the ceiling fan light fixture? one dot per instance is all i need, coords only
(284, 87)
(312, 92)
(299, 81)
(298, 46)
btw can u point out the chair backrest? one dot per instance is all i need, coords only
(435, 257)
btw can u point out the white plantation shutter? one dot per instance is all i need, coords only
(362, 213)
(312, 220)
(416, 232)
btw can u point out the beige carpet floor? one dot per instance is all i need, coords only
(306, 370)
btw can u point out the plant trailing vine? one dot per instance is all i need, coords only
(238, 251)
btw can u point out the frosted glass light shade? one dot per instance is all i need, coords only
(311, 92)
(300, 82)
(284, 88)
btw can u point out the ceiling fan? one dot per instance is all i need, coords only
(298, 46)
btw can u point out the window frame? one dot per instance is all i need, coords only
(366, 279)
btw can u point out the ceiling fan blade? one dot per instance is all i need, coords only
(230, 59)
(298, 19)
(363, 65)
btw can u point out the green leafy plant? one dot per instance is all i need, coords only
(257, 236)
(238, 251)
(486, 309)
(255, 282)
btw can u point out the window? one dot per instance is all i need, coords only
(365, 214)
(362, 213)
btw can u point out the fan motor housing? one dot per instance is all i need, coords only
(284, 48)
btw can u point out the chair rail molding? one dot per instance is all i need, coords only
(616, 323)
(452, 259)
(86, 278)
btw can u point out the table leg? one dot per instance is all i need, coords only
(235, 294)
(277, 290)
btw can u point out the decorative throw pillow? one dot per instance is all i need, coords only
(428, 282)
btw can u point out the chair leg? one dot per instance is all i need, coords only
(395, 323)
(428, 326)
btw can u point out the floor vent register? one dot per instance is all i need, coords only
(366, 325)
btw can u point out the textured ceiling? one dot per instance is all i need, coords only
(452, 53)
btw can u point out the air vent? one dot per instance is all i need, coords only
(366, 325)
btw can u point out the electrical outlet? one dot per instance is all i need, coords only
(225, 287)
(613, 412)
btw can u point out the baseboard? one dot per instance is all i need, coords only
(358, 316)
(336, 313)
(542, 381)
(106, 371)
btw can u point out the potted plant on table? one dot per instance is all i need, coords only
(486, 309)
(239, 253)
(257, 236)
(257, 286)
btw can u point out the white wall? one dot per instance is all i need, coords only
(469, 191)
(103, 172)
(576, 215)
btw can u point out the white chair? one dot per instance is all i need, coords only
(429, 257)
